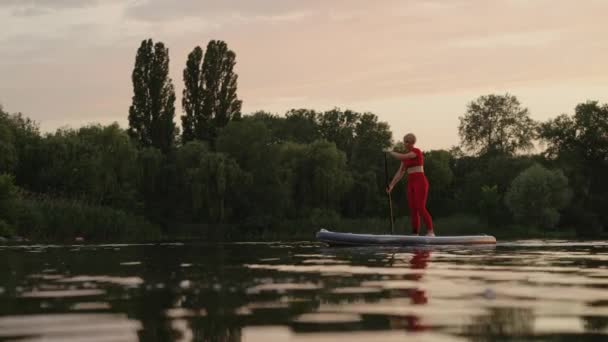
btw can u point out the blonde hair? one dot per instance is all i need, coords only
(411, 137)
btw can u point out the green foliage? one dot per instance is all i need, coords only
(316, 176)
(370, 138)
(329, 178)
(490, 204)
(208, 181)
(496, 124)
(339, 127)
(27, 144)
(363, 198)
(153, 104)
(193, 122)
(586, 133)
(579, 146)
(220, 102)
(439, 172)
(461, 224)
(8, 196)
(248, 142)
(6, 230)
(94, 163)
(471, 174)
(324, 218)
(8, 152)
(45, 218)
(210, 100)
(300, 126)
(537, 195)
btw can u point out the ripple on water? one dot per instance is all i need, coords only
(123, 281)
(62, 293)
(283, 287)
(70, 327)
(281, 333)
(300, 292)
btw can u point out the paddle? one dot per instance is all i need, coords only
(390, 201)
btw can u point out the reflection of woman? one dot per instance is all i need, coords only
(417, 185)
(419, 261)
(417, 296)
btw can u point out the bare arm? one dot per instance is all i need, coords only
(396, 178)
(403, 156)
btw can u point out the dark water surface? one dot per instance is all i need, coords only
(523, 290)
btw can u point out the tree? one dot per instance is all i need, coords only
(268, 193)
(94, 163)
(367, 195)
(153, 105)
(579, 145)
(210, 98)
(151, 188)
(370, 138)
(300, 125)
(193, 124)
(27, 142)
(8, 153)
(537, 195)
(329, 177)
(496, 124)
(489, 204)
(210, 183)
(440, 176)
(8, 197)
(339, 127)
(586, 133)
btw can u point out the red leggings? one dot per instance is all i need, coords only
(417, 193)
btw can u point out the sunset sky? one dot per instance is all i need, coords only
(414, 63)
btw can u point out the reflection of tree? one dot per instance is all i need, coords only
(595, 323)
(501, 323)
(209, 293)
(216, 329)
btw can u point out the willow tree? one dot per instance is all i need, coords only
(153, 105)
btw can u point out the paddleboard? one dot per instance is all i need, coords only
(352, 239)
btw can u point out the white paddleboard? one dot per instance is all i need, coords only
(351, 239)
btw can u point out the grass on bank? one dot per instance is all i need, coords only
(64, 220)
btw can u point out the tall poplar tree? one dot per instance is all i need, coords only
(210, 98)
(153, 105)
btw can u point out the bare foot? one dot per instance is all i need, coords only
(430, 234)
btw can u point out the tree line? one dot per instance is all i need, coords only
(289, 173)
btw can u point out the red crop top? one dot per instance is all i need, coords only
(418, 161)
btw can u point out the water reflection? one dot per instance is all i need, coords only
(303, 291)
(416, 295)
(502, 322)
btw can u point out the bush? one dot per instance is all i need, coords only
(57, 219)
(6, 230)
(536, 195)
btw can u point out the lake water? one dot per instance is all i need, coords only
(520, 290)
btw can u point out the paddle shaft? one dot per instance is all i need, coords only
(390, 201)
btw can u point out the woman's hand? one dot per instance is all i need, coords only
(389, 189)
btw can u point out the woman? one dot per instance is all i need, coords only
(417, 184)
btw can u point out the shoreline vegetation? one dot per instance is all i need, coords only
(227, 176)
